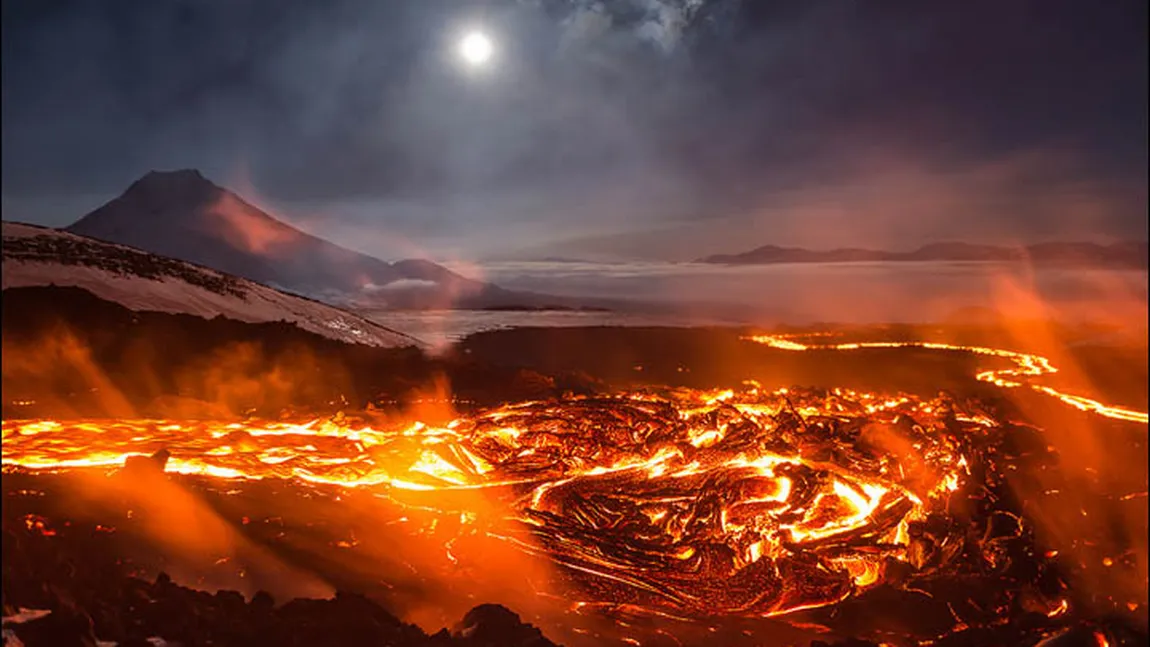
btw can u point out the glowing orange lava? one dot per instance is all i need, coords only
(685, 503)
(691, 502)
(1024, 366)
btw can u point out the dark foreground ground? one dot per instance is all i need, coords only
(68, 355)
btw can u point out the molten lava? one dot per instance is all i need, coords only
(681, 503)
(1023, 366)
(691, 503)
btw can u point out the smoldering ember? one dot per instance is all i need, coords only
(649, 323)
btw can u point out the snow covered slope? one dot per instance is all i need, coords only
(138, 280)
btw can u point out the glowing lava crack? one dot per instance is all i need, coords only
(689, 503)
(684, 503)
(1024, 365)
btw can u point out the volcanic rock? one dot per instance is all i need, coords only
(64, 627)
(263, 601)
(153, 464)
(495, 625)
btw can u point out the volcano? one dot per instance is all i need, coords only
(182, 214)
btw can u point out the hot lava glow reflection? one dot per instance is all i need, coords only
(683, 503)
(1023, 366)
(694, 503)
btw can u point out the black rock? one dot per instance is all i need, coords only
(153, 464)
(263, 601)
(63, 627)
(496, 625)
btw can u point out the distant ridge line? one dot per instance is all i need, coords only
(1078, 254)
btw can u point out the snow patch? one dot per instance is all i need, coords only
(106, 270)
(403, 284)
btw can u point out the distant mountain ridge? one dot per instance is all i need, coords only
(1131, 255)
(183, 215)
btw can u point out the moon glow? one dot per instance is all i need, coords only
(476, 48)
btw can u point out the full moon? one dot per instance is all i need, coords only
(475, 48)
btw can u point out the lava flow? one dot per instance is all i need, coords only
(681, 503)
(1024, 366)
(689, 503)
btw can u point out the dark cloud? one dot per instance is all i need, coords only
(628, 113)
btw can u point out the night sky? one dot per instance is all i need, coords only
(653, 128)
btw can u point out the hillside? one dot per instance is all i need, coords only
(141, 281)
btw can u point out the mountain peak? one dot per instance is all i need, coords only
(183, 174)
(181, 186)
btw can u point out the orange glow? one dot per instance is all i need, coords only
(1063, 607)
(687, 502)
(1024, 366)
(688, 471)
